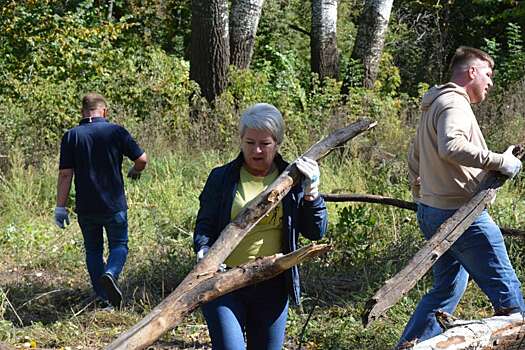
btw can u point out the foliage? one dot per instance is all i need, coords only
(52, 52)
(510, 65)
(39, 41)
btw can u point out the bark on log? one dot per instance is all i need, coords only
(164, 317)
(209, 286)
(498, 332)
(445, 236)
(399, 203)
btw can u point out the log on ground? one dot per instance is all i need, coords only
(494, 333)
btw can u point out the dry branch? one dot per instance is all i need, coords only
(399, 203)
(498, 333)
(164, 316)
(442, 240)
(210, 286)
(369, 198)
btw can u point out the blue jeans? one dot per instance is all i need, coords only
(259, 311)
(479, 252)
(116, 226)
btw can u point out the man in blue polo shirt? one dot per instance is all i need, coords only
(92, 153)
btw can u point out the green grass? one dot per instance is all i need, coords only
(44, 284)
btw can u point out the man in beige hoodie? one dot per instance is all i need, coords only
(447, 161)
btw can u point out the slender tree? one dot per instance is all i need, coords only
(370, 39)
(244, 20)
(210, 51)
(323, 41)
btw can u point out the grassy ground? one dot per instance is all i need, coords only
(45, 297)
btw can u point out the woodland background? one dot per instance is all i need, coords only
(182, 100)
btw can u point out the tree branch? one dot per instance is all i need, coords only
(399, 203)
(299, 29)
(170, 312)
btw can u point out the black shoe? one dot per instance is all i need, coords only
(103, 305)
(108, 283)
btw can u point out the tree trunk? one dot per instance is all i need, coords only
(210, 52)
(498, 332)
(370, 39)
(440, 242)
(163, 317)
(110, 11)
(244, 20)
(323, 41)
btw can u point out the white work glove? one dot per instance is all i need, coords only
(309, 168)
(202, 253)
(511, 164)
(61, 217)
(133, 173)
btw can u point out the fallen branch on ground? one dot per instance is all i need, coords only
(399, 203)
(494, 333)
(169, 312)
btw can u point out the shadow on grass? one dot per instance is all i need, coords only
(339, 279)
(47, 296)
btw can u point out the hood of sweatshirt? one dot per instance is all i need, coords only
(439, 90)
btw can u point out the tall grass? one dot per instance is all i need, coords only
(45, 293)
(45, 284)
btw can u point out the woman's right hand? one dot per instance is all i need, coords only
(310, 169)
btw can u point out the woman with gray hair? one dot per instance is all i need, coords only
(258, 312)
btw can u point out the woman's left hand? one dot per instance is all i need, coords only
(310, 169)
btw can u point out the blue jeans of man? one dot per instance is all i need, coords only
(116, 226)
(259, 311)
(479, 252)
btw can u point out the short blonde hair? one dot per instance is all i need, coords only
(465, 55)
(93, 101)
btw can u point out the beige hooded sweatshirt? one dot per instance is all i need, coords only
(449, 154)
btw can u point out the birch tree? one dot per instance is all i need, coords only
(323, 42)
(210, 51)
(370, 39)
(244, 20)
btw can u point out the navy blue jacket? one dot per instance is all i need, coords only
(299, 216)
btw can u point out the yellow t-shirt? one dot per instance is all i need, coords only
(266, 237)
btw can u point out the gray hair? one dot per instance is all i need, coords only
(263, 116)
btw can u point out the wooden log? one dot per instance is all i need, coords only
(162, 318)
(446, 235)
(498, 333)
(209, 286)
(399, 203)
